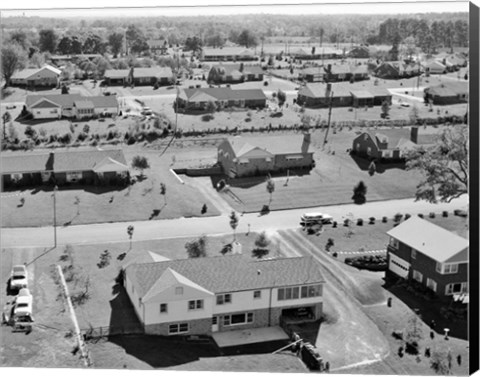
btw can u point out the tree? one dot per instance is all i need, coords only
(211, 107)
(215, 40)
(13, 58)
(48, 40)
(261, 242)
(413, 335)
(115, 40)
(19, 37)
(385, 109)
(163, 191)
(37, 60)
(65, 45)
(94, 44)
(136, 41)
(101, 65)
(409, 47)
(77, 203)
(439, 363)
(234, 223)
(247, 39)
(281, 97)
(359, 193)
(130, 230)
(270, 189)
(444, 165)
(197, 248)
(193, 44)
(140, 163)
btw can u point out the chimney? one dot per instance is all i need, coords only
(306, 142)
(414, 134)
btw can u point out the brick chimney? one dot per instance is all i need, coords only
(414, 134)
(307, 137)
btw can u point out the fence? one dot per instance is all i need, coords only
(106, 331)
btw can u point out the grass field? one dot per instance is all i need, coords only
(139, 201)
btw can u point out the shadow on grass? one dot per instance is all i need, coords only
(381, 167)
(430, 310)
(154, 214)
(248, 182)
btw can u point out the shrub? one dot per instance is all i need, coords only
(420, 215)
(348, 260)
(431, 215)
(371, 220)
(445, 213)
(359, 222)
(384, 219)
(207, 117)
(398, 217)
(335, 254)
(407, 216)
(334, 225)
(346, 222)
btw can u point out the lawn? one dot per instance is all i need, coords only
(330, 182)
(139, 201)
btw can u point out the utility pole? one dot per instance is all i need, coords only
(55, 215)
(329, 117)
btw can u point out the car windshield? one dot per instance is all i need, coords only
(18, 277)
(22, 305)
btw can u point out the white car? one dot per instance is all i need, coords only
(315, 218)
(23, 303)
(19, 277)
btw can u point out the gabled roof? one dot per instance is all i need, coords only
(84, 104)
(224, 94)
(45, 103)
(361, 94)
(68, 100)
(226, 51)
(234, 69)
(139, 72)
(319, 90)
(274, 145)
(109, 164)
(434, 64)
(26, 73)
(63, 161)
(230, 273)
(450, 88)
(142, 256)
(399, 138)
(431, 240)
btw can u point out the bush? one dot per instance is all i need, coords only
(371, 220)
(334, 225)
(359, 222)
(384, 219)
(445, 213)
(346, 222)
(335, 254)
(407, 216)
(207, 117)
(420, 215)
(398, 217)
(265, 83)
(431, 215)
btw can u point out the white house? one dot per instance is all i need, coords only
(208, 295)
(45, 76)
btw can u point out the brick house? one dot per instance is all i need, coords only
(397, 70)
(203, 296)
(436, 258)
(319, 94)
(87, 167)
(227, 54)
(247, 156)
(313, 74)
(139, 76)
(346, 72)
(434, 67)
(389, 145)
(197, 99)
(234, 73)
(447, 93)
(47, 76)
(57, 106)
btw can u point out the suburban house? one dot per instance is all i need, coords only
(158, 46)
(453, 61)
(139, 76)
(197, 99)
(57, 106)
(90, 166)
(344, 95)
(346, 72)
(447, 93)
(313, 74)
(204, 296)
(434, 67)
(47, 76)
(397, 70)
(60, 60)
(359, 52)
(246, 156)
(234, 73)
(389, 144)
(315, 53)
(227, 54)
(434, 257)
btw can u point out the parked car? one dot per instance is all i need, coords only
(19, 277)
(147, 111)
(23, 303)
(313, 218)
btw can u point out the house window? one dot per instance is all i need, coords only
(450, 268)
(294, 293)
(74, 176)
(418, 276)
(257, 294)
(393, 242)
(163, 308)
(195, 304)
(237, 319)
(16, 177)
(214, 320)
(178, 328)
(413, 253)
(456, 288)
(438, 267)
(179, 290)
(224, 299)
(432, 284)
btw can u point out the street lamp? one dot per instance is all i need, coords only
(55, 188)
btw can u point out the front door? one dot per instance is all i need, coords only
(214, 324)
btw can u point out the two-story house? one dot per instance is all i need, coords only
(201, 296)
(431, 255)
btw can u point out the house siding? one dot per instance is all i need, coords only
(361, 145)
(201, 326)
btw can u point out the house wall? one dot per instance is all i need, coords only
(201, 326)
(362, 143)
(225, 156)
(282, 162)
(46, 113)
(427, 266)
(107, 110)
(255, 103)
(254, 166)
(132, 294)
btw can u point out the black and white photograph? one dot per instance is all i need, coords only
(239, 187)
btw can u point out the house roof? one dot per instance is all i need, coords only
(319, 90)
(226, 51)
(361, 94)
(84, 104)
(139, 72)
(26, 73)
(44, 103)
(400, 138)
(314, 71)
(61, 161)
(431, 240)
(234, 69)
(224, 94)
(229, 273)
(434, 64)
(275, 145)
(68, 100)
(450, 88)
(142, 256)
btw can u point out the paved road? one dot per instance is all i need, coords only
(192, 227)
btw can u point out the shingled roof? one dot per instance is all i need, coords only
(275, 145)
(226, 94)
(229, 273)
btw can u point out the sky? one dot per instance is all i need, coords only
(150, 8)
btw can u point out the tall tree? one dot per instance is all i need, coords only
(48, 40)
(234, 223)
(270, 189)
(193, 44)
(13, 57)
(444, 165)
(94, 44)
(261, 246)
(20, 38)
(163, 192)
(247, 39)
(115, 40)
(136, 41)
(197, 248)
